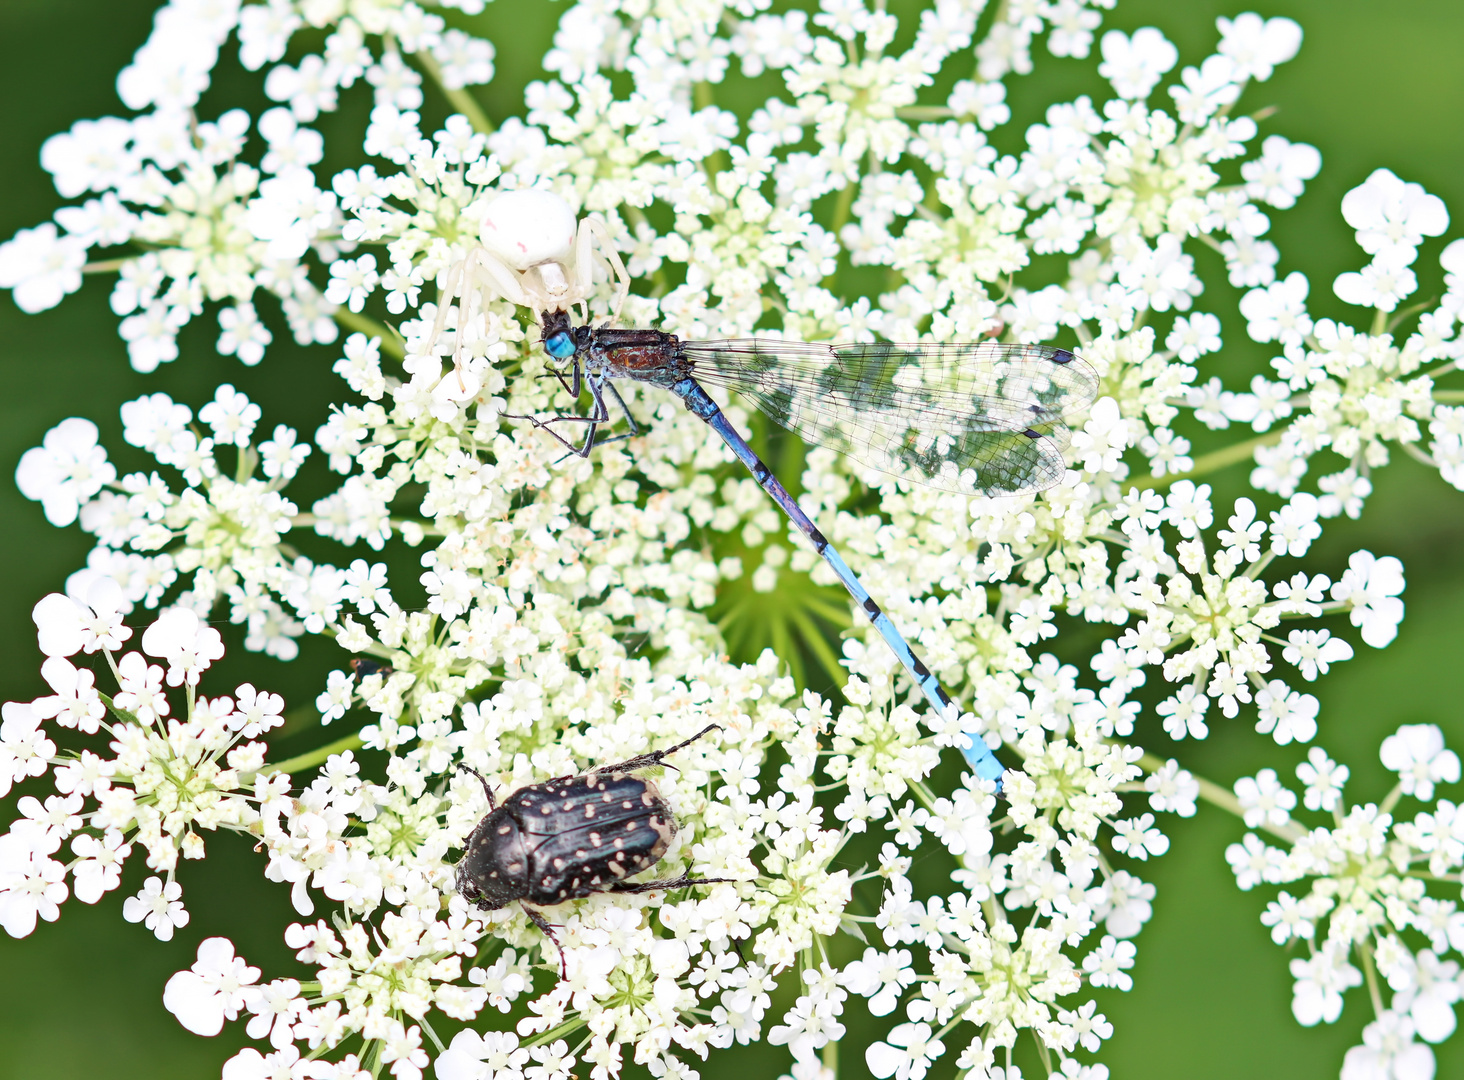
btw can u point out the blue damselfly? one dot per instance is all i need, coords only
(979, 419)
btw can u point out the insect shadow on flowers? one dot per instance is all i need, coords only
(571, 837)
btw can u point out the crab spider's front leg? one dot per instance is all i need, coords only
(592, 229)
(460, 281)
(483, 276)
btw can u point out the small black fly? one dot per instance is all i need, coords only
(364, 667)
(570, 837)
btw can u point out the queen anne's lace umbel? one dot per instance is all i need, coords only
(564, 617)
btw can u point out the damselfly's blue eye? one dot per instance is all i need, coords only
(559, 345)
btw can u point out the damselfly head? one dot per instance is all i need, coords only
(557, 335)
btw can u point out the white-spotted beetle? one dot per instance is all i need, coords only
(570, 837)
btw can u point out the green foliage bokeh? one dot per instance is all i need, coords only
(1374, 86)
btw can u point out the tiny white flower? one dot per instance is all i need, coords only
(182, 639)
(65, 471)
(1138, 838)
(1388, 1050)
(158, 907)
(1108, 964)
(1264, 801)
(1416, 753)
(216, 988)
(1324, 780)
(1135, 65)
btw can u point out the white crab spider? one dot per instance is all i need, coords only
(533, 253)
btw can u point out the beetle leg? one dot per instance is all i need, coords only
(492, 803)
(675, 883)
(645, 761)
(547, 929)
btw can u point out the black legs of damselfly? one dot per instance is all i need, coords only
(600, 414)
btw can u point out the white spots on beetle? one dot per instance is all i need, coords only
(595, 838)
(546, 809)
(608, 797)
(589, 811)
(628, 805)
(665, 828)
(619, 843)
(649, 796)
(504, 830)
(559, 864)
(515, 868)
(580, 853)
(568, 804)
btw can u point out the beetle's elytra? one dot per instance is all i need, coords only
(570, 837)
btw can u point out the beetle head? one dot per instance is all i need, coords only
(494, 870)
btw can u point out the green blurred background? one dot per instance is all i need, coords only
(1375, 85)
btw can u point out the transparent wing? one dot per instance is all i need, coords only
(979, 419)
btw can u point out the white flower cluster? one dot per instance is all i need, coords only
(563, 617)
(1369, 872)
(214, 227)
(168, 777)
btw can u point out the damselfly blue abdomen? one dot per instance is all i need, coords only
(978, 419)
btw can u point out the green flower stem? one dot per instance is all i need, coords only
(1217, 796)
(1364, 951)
(459, 98)
(313, 758)
(391, 344)
(105, 266)
(307, 521)
(441, 1049)
(1391, 799)
(1043, 1052)
(1449, 397)
(1211, 462)
(567, 1027)
(831, 1057)
(843, 206)
(924, 112)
